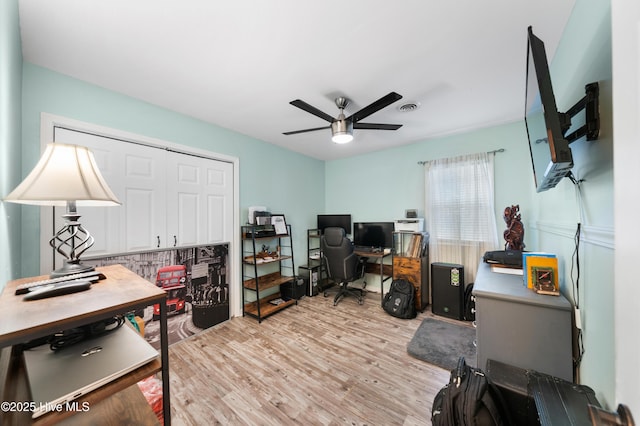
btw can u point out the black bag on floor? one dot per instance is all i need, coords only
(469, 399)
(400, 301)
(469, 304)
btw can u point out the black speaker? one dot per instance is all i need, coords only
(447, 290)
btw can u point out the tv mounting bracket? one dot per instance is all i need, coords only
(590, 104)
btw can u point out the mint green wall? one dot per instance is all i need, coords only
(584, 56)
(381, 185)
(265, 170)
(10, 110)
(390, 181)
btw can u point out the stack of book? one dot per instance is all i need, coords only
(417, 245)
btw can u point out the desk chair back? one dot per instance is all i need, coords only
(340, 259)
(341, 262)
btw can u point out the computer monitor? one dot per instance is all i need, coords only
(373, 234)
(335, 220)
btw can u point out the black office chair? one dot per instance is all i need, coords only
(343, 265)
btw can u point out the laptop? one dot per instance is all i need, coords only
(57, 378)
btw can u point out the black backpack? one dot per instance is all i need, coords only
(400, 301)
(469, 399)
(469, 304)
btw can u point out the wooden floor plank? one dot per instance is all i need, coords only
(311, 364)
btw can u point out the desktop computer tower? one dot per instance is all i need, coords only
(447, 290)
(310, 276)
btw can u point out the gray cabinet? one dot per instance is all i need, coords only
(520, 327)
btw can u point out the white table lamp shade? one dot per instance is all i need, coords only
(64, 173)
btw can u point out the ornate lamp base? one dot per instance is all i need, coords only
(71, 268)
(71, 241)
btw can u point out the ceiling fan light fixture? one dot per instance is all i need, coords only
(342, 127)
(342, 131)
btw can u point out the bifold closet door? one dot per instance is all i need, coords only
(137, 175)
(199, 204)
(169, 199)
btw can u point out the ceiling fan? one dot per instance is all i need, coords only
(342, 127)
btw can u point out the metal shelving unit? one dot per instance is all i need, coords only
(264, 269)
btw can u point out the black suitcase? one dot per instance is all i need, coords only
(513, 385)
(536, 398)
(561, 402)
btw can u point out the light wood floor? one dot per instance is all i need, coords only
(311, 364)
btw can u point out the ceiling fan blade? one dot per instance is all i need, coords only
(312, 110)
(376, 106)
(374, 126)
(306, 130)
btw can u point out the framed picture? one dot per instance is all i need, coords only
(545, 281)
(279, 224)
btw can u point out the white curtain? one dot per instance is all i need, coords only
(460, 210)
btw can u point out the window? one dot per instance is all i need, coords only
(460, 210)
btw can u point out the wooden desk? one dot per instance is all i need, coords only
(122, 291)
(379, 257)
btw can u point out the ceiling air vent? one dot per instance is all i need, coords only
(409, 106)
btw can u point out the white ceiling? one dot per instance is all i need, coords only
(239, 63)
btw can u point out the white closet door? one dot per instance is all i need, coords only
(136, 174)
(199, 204)
(185, 201)
(168, 198)
(219, 209)
(143, 197)
(102, 222)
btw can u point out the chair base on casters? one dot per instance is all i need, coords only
(345, 290)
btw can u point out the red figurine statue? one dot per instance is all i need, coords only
(514, 234)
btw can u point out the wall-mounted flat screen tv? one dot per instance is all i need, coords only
(550, 152)
(373, 234)
(338, 220)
